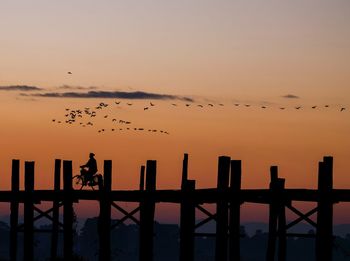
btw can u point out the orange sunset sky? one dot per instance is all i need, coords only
(262, 53)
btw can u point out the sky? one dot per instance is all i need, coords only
(263, 53)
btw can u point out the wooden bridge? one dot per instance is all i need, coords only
(228, 197)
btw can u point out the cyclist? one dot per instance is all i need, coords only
(89, 169)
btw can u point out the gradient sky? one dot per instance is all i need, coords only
(213, 51)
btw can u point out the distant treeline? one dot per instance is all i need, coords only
(125, 244)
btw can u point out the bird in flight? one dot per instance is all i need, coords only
(297, 108)
(152, 104)
(314, 107)
(69, 73)
(211, 105)
(145, 108)
(342, 109)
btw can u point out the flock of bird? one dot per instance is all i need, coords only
(78, 116)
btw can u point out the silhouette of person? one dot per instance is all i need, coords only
(89, 169)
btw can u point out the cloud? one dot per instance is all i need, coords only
(290, 96)
(70, 87)
(20, 88)
(137, 95)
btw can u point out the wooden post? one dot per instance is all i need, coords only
(221, 250)
(147, 208)
(235, 211)
(28, 238)
(187, 221)
(56, 210)
(282, 233)
(104, 222)
(273, 215)
(68, 212)
(142, 178)
(184, 170)
(14, 210)
(324, 233)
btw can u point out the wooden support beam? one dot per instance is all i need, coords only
(235, 211)
(28, 239)
(56, 210)
(187, 221)
(68, 211)
(104, 221)
(221, 246)
(324, 232)
(147, 208)
(14, 210)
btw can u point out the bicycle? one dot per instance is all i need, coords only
(80, 181)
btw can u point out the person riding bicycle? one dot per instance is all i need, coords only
(89, 169)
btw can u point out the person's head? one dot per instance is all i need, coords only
(91, 155)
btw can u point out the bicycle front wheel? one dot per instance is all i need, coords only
(78, 182)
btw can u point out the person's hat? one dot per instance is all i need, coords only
(92, 154)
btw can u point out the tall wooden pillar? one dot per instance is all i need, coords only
(147, 208)
(324, 233)
(282, 233)
(104, 222)
(142, 178)
(221, 247)
(14, 210)
(187, 221)
(28, 238)
(235, 211)
(273, 215)
(56, 210)
(68, 212)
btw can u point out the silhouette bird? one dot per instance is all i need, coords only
(187, 105)
(220, 104)
(174, 104)
(117, 103)
(114, 120)
(105, 116)
(151, 104)
(282, 108)
(326, 106)
(200, 105)
(236, 104)
(129, 104)
(69, 73)
(53, 120)
(263, 107)
(59, 122)
(314, 107)
(342, 109)
(210, 104)
(145, 108)
(247, 105)
(298, 108)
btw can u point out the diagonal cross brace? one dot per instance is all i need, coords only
(126, 217)
(126, 213)
(302, 217)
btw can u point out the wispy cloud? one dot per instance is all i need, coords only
(290, 96)
(137, 95)
(20, 88)
(72, 87)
